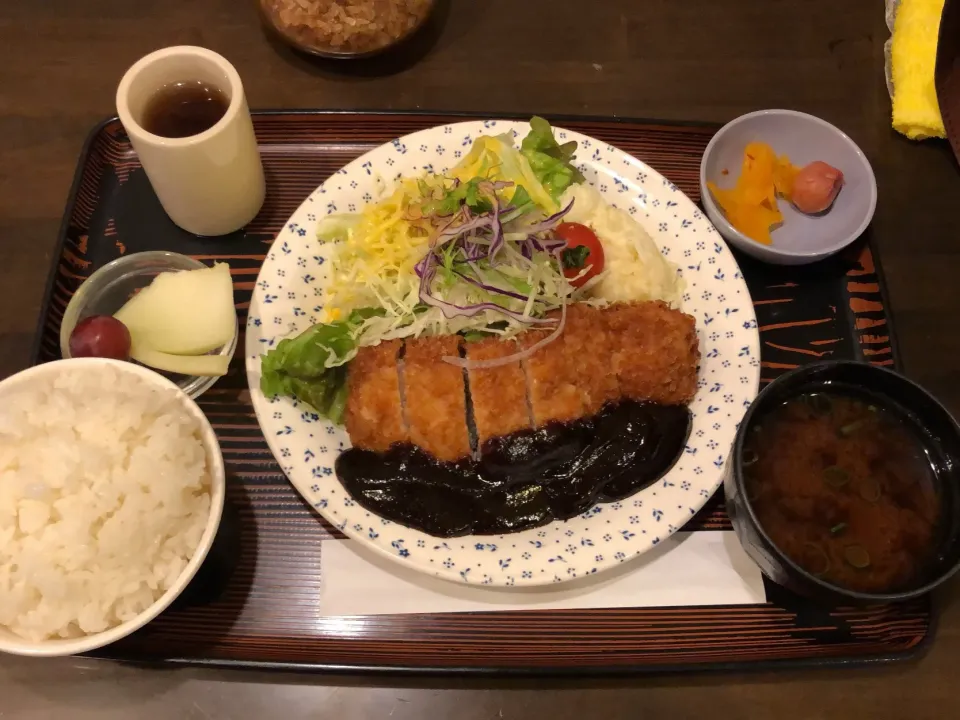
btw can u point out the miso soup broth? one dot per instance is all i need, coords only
(843, 485)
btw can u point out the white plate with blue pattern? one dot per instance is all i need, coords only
(287, 300)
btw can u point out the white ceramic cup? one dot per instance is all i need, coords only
(211, 183)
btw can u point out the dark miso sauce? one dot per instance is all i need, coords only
(842, 484)
(185, 108)
(523, 480)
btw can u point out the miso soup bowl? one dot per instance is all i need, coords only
(890, 389)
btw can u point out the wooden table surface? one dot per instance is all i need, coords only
(60, 61)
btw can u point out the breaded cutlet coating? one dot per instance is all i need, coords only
(552, 382)
(373, 413)
(655, 352)
(587, 346)
(642, 351)
(435, 397)
(499, 394)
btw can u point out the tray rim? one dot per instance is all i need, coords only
(910, 654)
(914, 654)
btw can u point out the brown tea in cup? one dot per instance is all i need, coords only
(183, 109)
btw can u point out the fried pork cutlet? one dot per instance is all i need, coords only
(655, 352)
(436, 397)
(553, 385)
(374, 416)
(499, 394)
(642, 351)
(588, 347)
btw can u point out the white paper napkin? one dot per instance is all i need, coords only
(700, 568)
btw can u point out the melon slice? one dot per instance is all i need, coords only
(190, 312)
(144, 353)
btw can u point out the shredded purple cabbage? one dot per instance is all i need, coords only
(551, 222)
(451, 310)
(489, 288)
(481, 237)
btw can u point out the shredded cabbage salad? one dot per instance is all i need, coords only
(468, 251)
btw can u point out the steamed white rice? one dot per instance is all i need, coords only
(104, 495)
(634, 268)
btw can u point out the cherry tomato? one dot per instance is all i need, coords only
(100, 336)
(575, 260)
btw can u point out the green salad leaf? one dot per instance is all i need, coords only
(312, 366)
(468, 193)
(521, 202)
(550, 161)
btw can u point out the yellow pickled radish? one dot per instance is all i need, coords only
(751, 205)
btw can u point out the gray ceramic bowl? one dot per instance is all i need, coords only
(803, 138)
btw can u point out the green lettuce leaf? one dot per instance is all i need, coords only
(312, 366)
(467, 193)
(551, 162)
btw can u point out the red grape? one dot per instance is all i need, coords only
(100, 336)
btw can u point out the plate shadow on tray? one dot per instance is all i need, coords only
(390, 62)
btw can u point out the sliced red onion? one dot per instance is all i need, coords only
(474, 223)
(515, 357)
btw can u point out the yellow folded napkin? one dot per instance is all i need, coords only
(913, 54)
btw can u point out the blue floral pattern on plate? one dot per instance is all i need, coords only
(288, 299)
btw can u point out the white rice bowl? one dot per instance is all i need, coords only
(111, 492)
